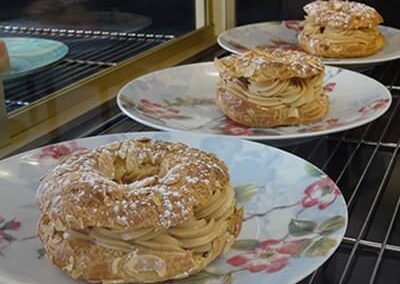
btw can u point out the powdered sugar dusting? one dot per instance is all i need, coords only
(89, 178)
(270, 64)
(343, 14)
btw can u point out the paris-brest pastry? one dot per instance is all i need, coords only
(137, 211)
(341, 29)
(271, 87)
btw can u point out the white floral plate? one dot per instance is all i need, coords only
(284, 35)
(183, 98)
(295, 216)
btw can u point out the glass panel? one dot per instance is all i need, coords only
(97, 34)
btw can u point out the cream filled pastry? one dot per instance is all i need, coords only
(341, 29)
(271, 87)
(137, 211)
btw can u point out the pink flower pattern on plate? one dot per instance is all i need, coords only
(329, 87)
(298, 26)
(60, 150)
(234, 128)
(328, 124)
(270, 255)
(371, 108)
(5, 226)
(157, 110)
(285, 45)
(322, 192)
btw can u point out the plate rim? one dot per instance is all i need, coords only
(65, 47)
(260, 137)
(130, 135)
(358, 61)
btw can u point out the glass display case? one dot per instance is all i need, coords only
(112, 42)
(107, 43)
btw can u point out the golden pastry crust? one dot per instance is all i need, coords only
(262, 64)
(132, 211)
(82, 259)
(251, 114)
(95, 181)
(343, 14)
(267, 88)
(341, 29)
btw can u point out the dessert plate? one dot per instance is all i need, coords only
(183, 98)
(284, 35)
(28, 54)
(295, 216)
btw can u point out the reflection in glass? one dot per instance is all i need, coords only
(98, 33)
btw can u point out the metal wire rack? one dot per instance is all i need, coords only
(364, 162)
(90, 51)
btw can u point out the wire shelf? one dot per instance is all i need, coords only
(90, 52)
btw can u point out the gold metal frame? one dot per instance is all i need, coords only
(48, 113)
(224, 15)
(4, 137)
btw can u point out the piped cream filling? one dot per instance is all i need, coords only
(195, 234)
(337, 36)
(275, 94)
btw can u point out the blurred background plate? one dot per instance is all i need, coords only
(284, 35)
(29, 54)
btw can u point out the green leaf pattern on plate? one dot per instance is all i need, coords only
(301, 227)
(304, 244)
(247, 244)
(332, 225)
(245, 192)
(312, 170)
(321, 247)
(272, 254)
(41, 253)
